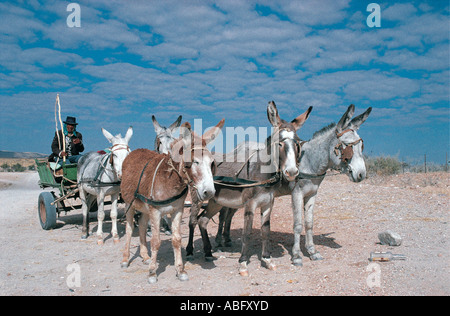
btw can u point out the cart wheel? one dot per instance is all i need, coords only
(47, 211)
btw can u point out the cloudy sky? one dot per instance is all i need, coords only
(129, 60)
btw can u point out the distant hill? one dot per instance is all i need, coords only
(25, 155)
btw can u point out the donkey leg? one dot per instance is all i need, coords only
(114, 233)
(309, 223)
(222, 217)
(266, 259)
(155, 218)
(143, 223)
(176, 243)
(193, 221)
(227, 228)
(129, 233)
(100, 217)
(85, 210)
(248, 222)
(211, 210)
(297, 208)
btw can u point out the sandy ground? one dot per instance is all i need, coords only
(348, 218)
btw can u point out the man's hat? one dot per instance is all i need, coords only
(71, 120)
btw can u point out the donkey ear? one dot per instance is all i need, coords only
(156, 125)
(211, 134)
(176, 123)
(345, 119)
(299, 121)
(185, 130)
(272, 114)
(129, 134)
(357, 121)
(108, 135)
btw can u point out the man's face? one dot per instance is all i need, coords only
(70, 128)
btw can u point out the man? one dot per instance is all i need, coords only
(73, 140)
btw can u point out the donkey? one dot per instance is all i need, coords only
(336, 146)
(164, 135)
(99, 175)
(157, 184)
(283, 148)
(165, 138)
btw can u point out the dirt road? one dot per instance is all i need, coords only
(348, 217)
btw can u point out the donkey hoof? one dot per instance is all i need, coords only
(100, 242)
(124, 264)
(152, 279)
(268, 264)
(84, 237)
(243, 270)
(116, 240)
(316, 256)
(298, 262)
(183, 276)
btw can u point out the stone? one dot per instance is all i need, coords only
(390, 238)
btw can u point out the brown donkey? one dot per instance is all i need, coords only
(157, 184)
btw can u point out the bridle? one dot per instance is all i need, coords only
(298, 143)
(114, 148)
(346, 153)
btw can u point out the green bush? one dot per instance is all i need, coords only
(383, 165)
(18, 168)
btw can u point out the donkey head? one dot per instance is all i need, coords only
(347, 154)
(196, 159)
(119, 149)
(164, 135)
(288, 142)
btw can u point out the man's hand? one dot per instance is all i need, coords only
(76, 140)
(63, 154)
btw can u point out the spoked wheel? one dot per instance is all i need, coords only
(47, 211)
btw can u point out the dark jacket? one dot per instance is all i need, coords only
(71, 148)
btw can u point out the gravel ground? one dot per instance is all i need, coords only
(348, 218)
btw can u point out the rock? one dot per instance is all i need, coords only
(390, 238)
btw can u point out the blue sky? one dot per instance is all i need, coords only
(130, 60)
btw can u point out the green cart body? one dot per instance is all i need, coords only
(63, 181)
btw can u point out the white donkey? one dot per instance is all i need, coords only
(100, 175)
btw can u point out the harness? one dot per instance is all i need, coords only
(95, 182)
(187, 180)
(236, 182)
(347, 152)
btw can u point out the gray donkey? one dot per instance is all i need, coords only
(283, 149)
(99, 175)
(163, 141)
(165, 135)
(336, 146)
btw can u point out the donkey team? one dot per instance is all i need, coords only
(155, 184)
